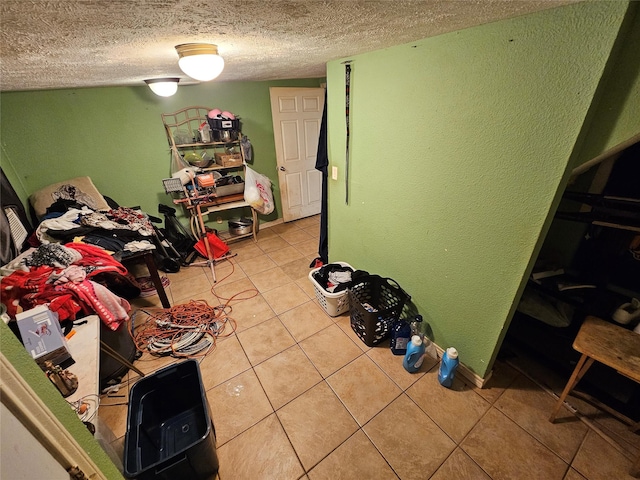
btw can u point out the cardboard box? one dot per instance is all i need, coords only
(43, 338)
(228, 159)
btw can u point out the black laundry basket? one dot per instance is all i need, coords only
(170, 435)
(376, 302)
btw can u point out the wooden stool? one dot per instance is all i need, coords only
(610, 345)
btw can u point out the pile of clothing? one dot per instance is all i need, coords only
(73, 280)
(335, 278)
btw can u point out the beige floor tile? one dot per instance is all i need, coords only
(313, 221)
(287, 375)
(501, 378)
(309, 247)
(305, 320)
(330, 349)
(149, 363)
(262, 452)
(297, 269)
(506, 451)
(313, 231)
(573, 475)
(226, 361)
(270, 279)
(114, 415)
(285, 297)
(152, 301)
(611, 426)
(296, 236)
(311, 257)
(236, 405)
(284, 255)
(355, 459)
(272, 244)
(245, 250)
(113, 410)
(456, 410)
(459, 465)
(398, 429)
(265, 340)
(306, 286)
(196, 286)
(256, 264)
(234, 292)
(344, 322)
(228, 271)
(316, 423)
(251, 312)
(285, 227)
(392, 365)
(540, 373)
(599, 460)
(186, 273)
(529, 406)
(363, 388)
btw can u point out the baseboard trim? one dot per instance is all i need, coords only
(271, 224)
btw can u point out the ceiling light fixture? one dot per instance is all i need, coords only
(200, 60)
(163, 87)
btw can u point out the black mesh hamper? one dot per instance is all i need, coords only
(376, 302)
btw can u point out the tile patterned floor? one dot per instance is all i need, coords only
(295, 394)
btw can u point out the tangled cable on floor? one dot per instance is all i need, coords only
(86, 407)
(184, 330)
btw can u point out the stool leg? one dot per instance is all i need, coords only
(581, 368)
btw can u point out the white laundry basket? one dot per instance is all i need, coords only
(333, 303)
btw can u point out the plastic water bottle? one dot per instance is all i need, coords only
(400, 337)
(415, 355)
(415, 329)
(448, 366)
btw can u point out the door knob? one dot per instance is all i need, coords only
(282, 169)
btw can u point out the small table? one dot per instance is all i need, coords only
(147, 256)
(610, 345)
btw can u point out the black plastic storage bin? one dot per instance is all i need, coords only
(376, 302)
(170, 435)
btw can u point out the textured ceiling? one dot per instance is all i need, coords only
(85, 43)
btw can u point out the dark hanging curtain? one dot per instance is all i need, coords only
(322, 164)
(10, 199)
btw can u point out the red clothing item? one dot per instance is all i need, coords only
(96, 257)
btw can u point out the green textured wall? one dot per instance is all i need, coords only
(31, 373)
(616, 115)
(613, 120)
(459, 144)
(115, 136)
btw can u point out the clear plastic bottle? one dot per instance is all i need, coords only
(448, 366)
(415, 355)
(415, 327)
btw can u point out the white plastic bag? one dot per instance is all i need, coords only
(257, 191)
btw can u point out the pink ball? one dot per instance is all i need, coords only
(215, 113)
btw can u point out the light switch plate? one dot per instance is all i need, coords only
(334, 173)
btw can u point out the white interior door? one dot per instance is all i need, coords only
(297, 115)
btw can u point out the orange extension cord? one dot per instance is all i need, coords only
(190, 329)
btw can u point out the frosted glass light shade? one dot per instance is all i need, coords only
(163, 87)
(200, 61)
